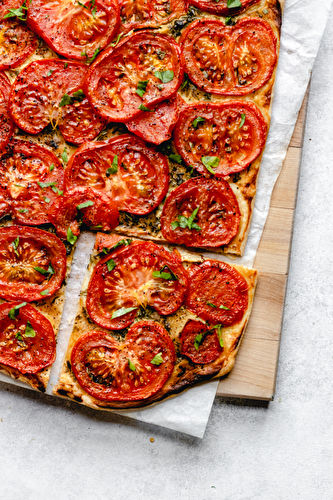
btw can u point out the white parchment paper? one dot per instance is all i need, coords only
(303, 26)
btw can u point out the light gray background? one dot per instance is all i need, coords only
(281, 450)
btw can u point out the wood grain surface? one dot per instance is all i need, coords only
(254, 374)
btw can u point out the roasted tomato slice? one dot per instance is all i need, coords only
(83, 205)
(218, 293)
(229, 60)
(75, 29)
(129, 371)
(135, 175)
(200, 343)
(136, 14)
(31, 180)
(17, 42)
(156, 127)
(220, 7)
(140, 274)
(141, 71)
(227, 136)
(27, 342)
(6, 124)
(32, 263)
(50, 91)
(201, 212)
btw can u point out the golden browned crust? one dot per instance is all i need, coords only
(185, 373)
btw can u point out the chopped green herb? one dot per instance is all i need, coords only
(210, 304)
(82, 5)
(198, 340)
(165, 76)
(47, 200)
(118, 244)
(219, 334)
(114, 167)
(111, 265)
(23, 210)
(44, 185)
(122, 312)
(85, 204)
(185, 81)
(50, 270)
(45, 292)
(18, 336)
(71, 238)
(29, 331)
(166, 276)
(66, 99)
(93, 12)
(220, 307)
(130, 364)
(210, 162)
(57, 191)
(14, 310)
(185, 222)
(198, 120)
(19, 13)
(64, 155)
(66, 65)
(96, 227)
(15, 245)
(143, 108)
(225, 308)
(113, 44)
(77, 96)
(243, 116)
(157, 360)
(141, 87)
(19, 185)
(89, 60)
(229, 21)
(234, 4)
(51, 167)
(176, 158)
(49, 73)
(265, 11)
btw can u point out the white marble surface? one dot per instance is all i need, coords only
(281, 450)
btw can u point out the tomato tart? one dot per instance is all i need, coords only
(152, 322)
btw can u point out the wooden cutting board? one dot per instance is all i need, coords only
(254, 374)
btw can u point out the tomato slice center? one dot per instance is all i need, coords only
(85, 26)
(210, 53)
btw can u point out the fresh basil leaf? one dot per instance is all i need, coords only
(210, 162)
(89, 60)
(113, 44)
(157, 360)
(122, 312)
(224, 307)
(185, 222)
(211, 304)
(114, 167)
(219, 334)
(51, 167)
(165, 76)
(229, 21)
(198, 341)
(49, 73)
(185, 81)
(192, 217)
(29, 331)
(64, 155)
(198, 120)
(141, 87)
(15, 245)
(57, 191)
(14, 310)
(243, 116)
(93, 12)
(174, 225)
(71, 238)
(85, 204)
(234, 4)
(41, 270)
(130, 364)
(18, 336)
(125, 242)
(177, 158)
(82, 5)
(143, 108)
(79, 95)
(45, 292)
(164, 275)
(66, 65)
(111, 264)
(17, 12)
(23, 210)
(44, 185)
(66, 99)
(47, 200)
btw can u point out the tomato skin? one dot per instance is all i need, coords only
(218, 215)
(71, 29)
(131, 284)
(32, 354)
(157, 127)
(142, 179)
(220, 135)
(135, 15)
(115, 381)
(237, 59)
(220, 8)
(18, 43)
(209, 349)
(37, 92)
(220, 284)
(103, 212)
(6, 124)
(18, 279)
(110, 87)
(23, 165)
